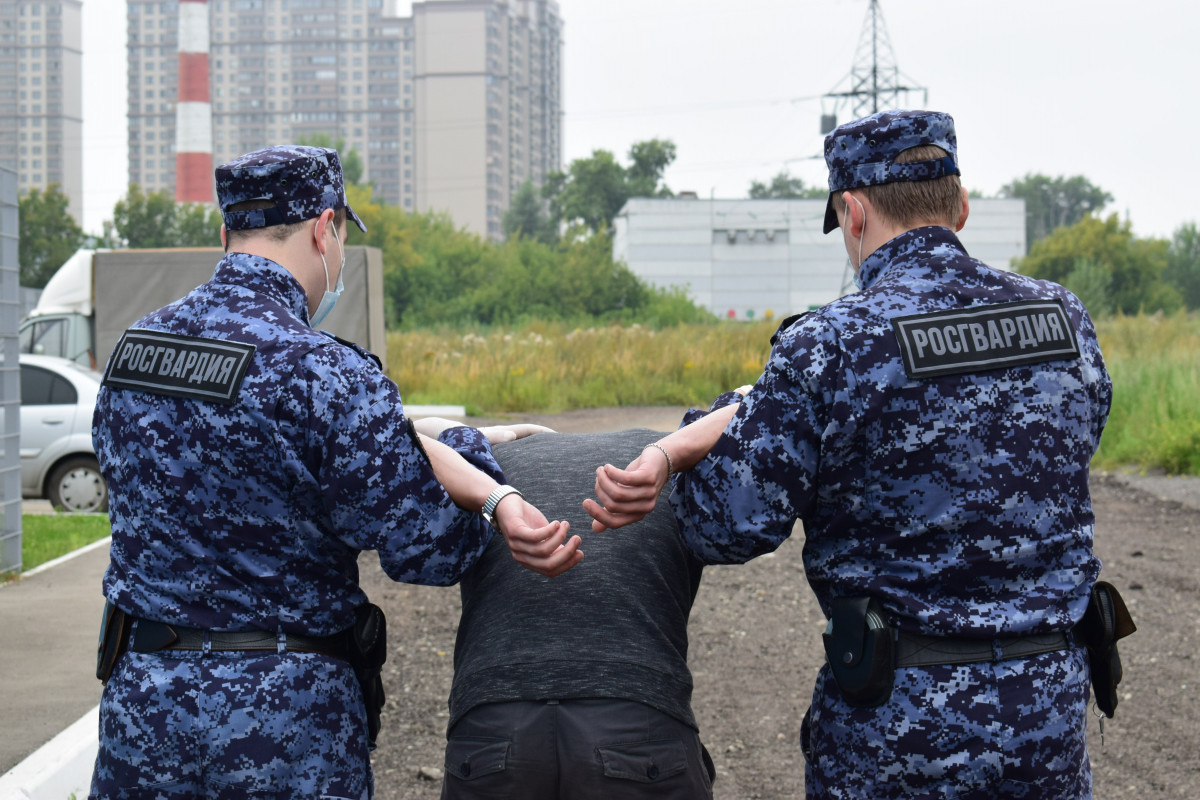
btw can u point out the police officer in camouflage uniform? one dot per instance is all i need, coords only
(250, 459)
(933, 432)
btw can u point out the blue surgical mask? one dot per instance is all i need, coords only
(329, 299)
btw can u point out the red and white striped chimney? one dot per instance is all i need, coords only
(193, 107)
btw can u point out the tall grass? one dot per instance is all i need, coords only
(1154, 361)
(554, 367)
(550, 367)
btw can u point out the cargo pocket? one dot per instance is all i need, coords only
(644, 762)
(468, 759)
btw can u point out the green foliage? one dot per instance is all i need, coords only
(650, 160)
(45, 537)
(1154, 361)
(1135, 266)
(1092, 284)
(593, 190)
(526, 217)
(784, 186)
(1183, 264)
(352, 163)
(436, 274)
(143, 220)
(48, 234)
(1051, 203)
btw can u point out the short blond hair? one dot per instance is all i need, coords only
(914, 203)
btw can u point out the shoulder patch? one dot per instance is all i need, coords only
(181, 366)
(987, 337)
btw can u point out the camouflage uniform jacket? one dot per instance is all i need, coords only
(960, 501)
(251, 515)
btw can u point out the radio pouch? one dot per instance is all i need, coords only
(368, 651)
(114, 639)
(860, 649)
(1105, 621)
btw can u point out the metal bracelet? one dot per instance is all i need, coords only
(663, 450)
(493, 500)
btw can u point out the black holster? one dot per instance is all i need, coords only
(368, 651)
(1105, 621)
(860, 648)
(114, 639)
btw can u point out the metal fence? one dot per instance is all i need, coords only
(10, 376)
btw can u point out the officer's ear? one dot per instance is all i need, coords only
(966, 210)
(856, 215)
(321, 229)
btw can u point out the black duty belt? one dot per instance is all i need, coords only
(916, 650)
(149, 637)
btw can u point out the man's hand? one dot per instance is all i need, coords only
(536, 544)
(627, 495)
(433, 426)
(506, 433)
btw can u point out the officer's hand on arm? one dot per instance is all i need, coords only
(627, 495)
(433, 427)
(506, 433)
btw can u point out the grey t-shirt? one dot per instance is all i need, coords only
(614, 626)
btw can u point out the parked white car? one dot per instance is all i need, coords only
(57, 459)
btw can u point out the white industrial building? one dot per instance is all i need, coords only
(745, 259)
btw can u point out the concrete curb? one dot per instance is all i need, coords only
(59, 769)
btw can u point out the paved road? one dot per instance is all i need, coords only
(50, 622)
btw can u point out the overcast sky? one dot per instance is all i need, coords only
(1100, 88)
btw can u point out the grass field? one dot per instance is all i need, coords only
(1155, 366)
(1154, 361)
(45, 537)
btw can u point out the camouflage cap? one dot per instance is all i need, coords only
(301, 181)
(863, 152)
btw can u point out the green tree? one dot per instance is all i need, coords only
(143, 220)
(1135, 266)
(1052, 203)
(1183, 264)
(1092, 284)
(526, 217)
(48, 234)
(784, 186)
(650, 160)
(593, 190)
(352, 163)
(197, 225)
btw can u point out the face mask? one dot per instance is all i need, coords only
(329, 299)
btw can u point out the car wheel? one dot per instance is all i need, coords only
(77, 485)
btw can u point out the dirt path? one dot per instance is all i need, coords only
(755, 646)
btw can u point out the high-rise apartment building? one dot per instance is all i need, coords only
(488, 104)
(355, 71)
(41, 95)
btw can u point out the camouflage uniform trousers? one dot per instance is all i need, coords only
(985, 731)
(179, 724)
